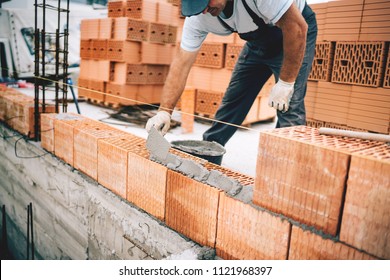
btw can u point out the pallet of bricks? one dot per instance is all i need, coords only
(125, 57)
(210, 76)
(349, 85)
(17, 110)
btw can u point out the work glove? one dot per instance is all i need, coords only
(280, 95)
(161, 121)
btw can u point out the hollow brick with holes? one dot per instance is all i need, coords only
(98, 49)
(207, 102)
(158, 32)
(130, 29)
(116, 8)
(359, 63)
(211, 55)
(123, 51)
(302, 174)
(232, 53)
(141, 9)
(321, 69)
(85, 49)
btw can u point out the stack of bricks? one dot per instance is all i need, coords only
(348, 86)
(305, 202)
(211, 74)
(125, 58)
(17, 111)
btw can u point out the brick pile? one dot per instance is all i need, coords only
(313, 197)
(211, 74)
(348, 86)
(125, 58)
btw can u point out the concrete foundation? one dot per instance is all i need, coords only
(73, 216)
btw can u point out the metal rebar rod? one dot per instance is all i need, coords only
(28, 232)
(32, 231)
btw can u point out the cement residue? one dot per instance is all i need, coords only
(202, 148)
(193, 169)
(245, 195)
(64, 116)
(219, 180)
(159, 147)
(172, 161)
(196, 253)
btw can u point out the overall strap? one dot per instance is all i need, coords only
(256, 19)
(227, 26)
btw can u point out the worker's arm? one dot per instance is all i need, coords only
(173, 88)
(294, 29)
(176, 79)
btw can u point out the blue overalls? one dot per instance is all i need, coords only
(262, 56)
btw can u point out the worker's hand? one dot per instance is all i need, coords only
(161, 121)
(280, 95)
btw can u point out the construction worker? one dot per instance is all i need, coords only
(281, 37)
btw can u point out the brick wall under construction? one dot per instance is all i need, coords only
(307, 194)
(313, 196)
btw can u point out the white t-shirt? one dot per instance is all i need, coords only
(197, 27)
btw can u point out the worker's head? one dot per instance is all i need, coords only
(195, 7)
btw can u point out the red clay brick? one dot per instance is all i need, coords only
(247, 233)
(306, 245)
(366, 217)
(86, 146)
(158, 33)
(146, 183)
(123, 51)
(116, 8)
(302, 174)
(99, 49)
(191, 208)
(188, 110)
(149, 94)
(359, 63)
(47, 131)
(207, 102)
(113, 160)
(106, 26)
(232, 53)
(211, 55)
(121, 94)
(64, 125)
(85, 49)
(321, 69)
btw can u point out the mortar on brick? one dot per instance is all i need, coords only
(159, 147)
(218, 180)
